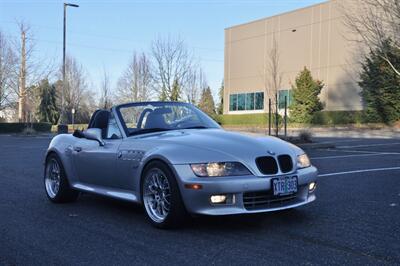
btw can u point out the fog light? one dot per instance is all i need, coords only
(312, 186)
(218, 199)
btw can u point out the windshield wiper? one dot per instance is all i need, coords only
(148, 130)
(195, 127)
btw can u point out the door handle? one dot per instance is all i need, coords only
(77, 149)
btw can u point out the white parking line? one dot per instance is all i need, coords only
(368, 145)
(340, 141)
(361, 171)
(350, 151)
(355, 155)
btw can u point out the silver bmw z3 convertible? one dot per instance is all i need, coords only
(175, 160)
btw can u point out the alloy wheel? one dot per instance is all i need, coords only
(53, 178)
(157, 195)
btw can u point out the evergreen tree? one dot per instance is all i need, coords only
(163, 96)
(47, 110)
(175, 94)
(176, 91)
(380, 85)
(220, 109)
(207, 102)
(305, 97)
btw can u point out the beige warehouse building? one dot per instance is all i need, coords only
(314, 37)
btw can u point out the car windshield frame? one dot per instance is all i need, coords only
(201, 116)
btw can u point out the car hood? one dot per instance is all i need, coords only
(209, 145)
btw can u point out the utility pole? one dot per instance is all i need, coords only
(22, 78)
(276, 115)
(63, 127)
(73, 118)
(269, 116)
(285, 116)
(63, 119)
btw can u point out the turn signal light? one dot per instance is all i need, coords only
(193, 186)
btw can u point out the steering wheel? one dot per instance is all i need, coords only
(182, 120)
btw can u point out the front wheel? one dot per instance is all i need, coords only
(161, 197)
(56, 183)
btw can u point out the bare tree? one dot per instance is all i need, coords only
(105, 98)
(22, 94)
(273, 75)
(173, 63)
(76, 94)
(8, 65)
(136, 83)
(30, 71)
(374, 22)
(195, 83)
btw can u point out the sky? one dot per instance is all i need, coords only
(102, 35)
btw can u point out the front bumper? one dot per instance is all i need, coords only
(252, 194)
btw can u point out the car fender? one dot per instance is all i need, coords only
(62, 146)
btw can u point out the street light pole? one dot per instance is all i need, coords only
(62, 127)
(73, 118)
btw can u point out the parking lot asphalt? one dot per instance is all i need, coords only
(355, 219)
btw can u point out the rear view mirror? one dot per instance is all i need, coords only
(94, 134)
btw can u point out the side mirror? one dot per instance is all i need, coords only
(94, 134)
(78, 134)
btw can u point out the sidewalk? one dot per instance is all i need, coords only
(331, 132)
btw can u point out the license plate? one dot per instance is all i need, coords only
(284, 185)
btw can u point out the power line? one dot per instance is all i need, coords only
(107, 37)
(215, 2)
(104, 48)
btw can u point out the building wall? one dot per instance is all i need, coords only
(314, 37)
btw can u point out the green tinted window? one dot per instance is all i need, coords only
(246, 101)
(233, 102)
(259, 100)
(250, 101)
(241, 101)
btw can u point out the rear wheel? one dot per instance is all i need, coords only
(56, 183)
(161, 197)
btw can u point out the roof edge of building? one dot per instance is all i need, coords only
(277, 15)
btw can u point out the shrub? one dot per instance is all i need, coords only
(28, 131)
(246, 120)
(19, 127)
(329, 118)
(42, 127)
(338, 117)
(70, 128)
(305, 136)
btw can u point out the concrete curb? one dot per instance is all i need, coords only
(311, 146)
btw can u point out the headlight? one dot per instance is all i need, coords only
(303, 161)
(219, 169)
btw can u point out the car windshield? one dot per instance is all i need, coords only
(140, 118)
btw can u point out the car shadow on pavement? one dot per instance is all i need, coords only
(254, 221)
(134, 212)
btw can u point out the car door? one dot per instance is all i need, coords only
(95, 164)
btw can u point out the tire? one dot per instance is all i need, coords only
(161, 198)
(56, 183)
